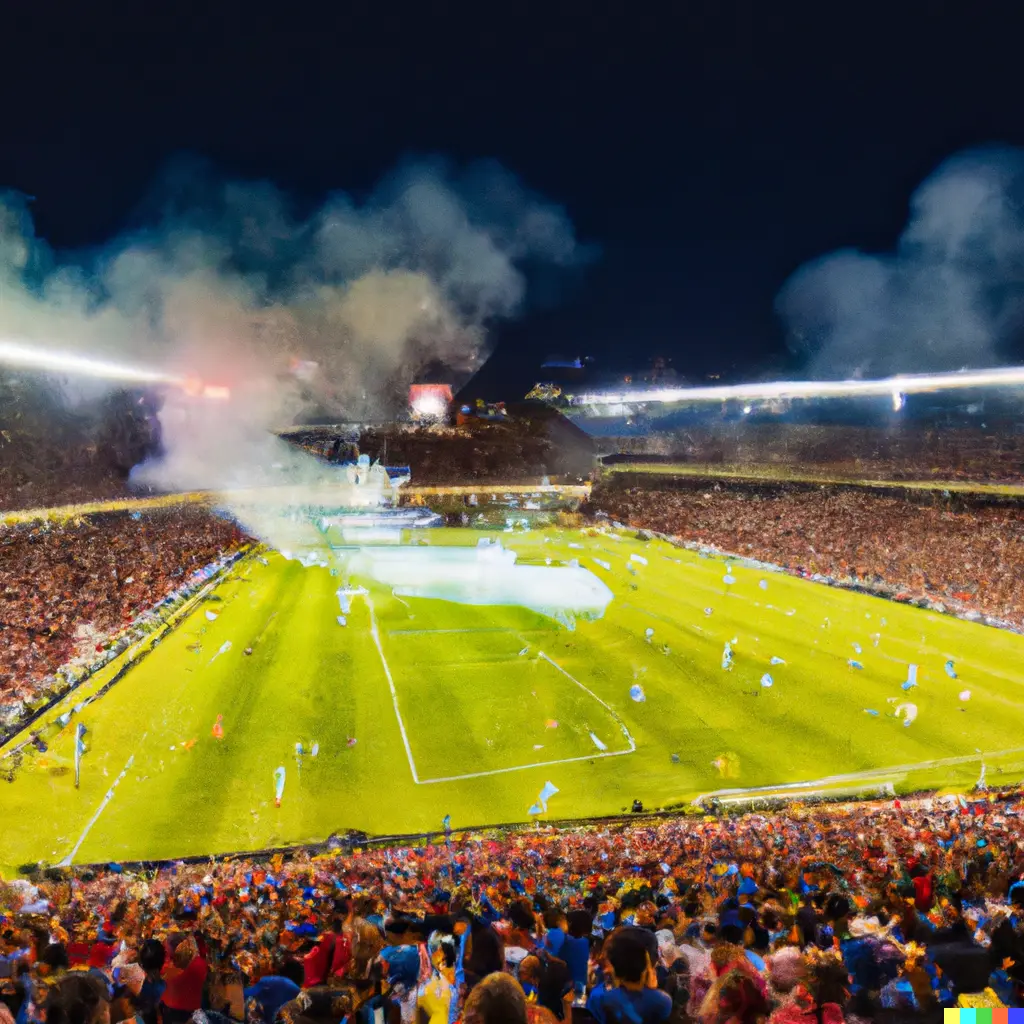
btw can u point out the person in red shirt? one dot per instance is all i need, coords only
(924, 895)
(329, 958)
(185, 977)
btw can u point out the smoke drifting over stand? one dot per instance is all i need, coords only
(336, 310)
(950, 296)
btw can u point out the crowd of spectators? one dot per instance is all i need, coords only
(966, 553)
(65, 588)
(814, 914)
(45, 473)
(57, 453)
(520, 448)
(899, 451)
(40, 472)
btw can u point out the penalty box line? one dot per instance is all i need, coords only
(107, 797)
(375, 633)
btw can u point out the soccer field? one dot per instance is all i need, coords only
(469, 710)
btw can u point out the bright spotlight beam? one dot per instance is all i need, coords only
(32, 357)
(1011, 376)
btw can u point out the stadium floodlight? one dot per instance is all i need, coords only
(30, 356)
(429, 407)
(900, 385)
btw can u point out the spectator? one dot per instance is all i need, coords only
(497, 999)
(576, 948)
(635, 999)
(272, 991)
(185, 977)
(78, 998)
(486, 956)
(152, 956)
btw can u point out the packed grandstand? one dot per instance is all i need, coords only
(801, 911)
(69, 584)
(815, 914)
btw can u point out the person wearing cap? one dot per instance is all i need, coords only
(403, 972)
(272, 991)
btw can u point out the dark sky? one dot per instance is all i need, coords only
(709, 148)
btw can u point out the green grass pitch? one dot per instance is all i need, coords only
(452, 707)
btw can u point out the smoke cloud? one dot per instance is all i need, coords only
(335, 309)
(950, 295)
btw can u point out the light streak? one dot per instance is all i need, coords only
(903, 384)
(33, 357)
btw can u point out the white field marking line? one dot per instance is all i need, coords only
(611, 711)
(881, 774)
(564, 760)
(375, 633)
(265, 628)
(524, 767)
(470, 629)
(887, 788)
(108, 796)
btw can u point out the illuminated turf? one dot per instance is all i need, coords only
(477, 693)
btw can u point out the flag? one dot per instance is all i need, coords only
(80, 732)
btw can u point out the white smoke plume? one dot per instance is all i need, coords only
(949, 296)
(336, 309)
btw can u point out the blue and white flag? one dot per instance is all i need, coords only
(80, 732)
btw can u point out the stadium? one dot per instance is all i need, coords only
(557, 650)
(610, 656)
(434, 603)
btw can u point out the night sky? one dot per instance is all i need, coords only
(707, 148)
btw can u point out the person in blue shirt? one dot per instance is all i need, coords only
(596, 998)
(271, 992)
(576, 948)
(462, 932)
(557, 926)
(635, 999)
(869, 971)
